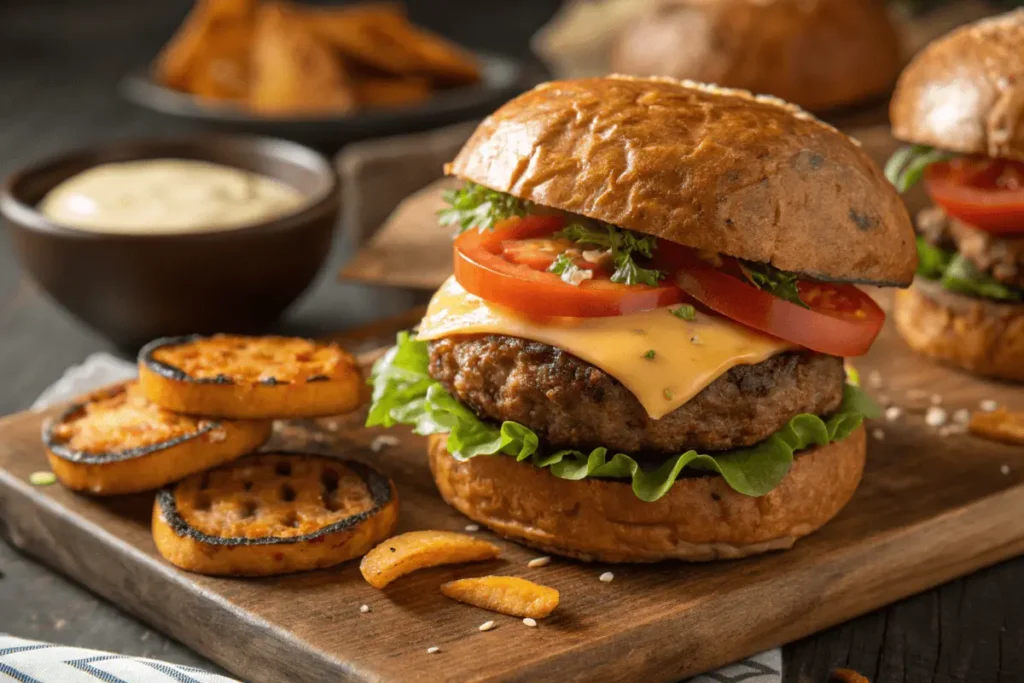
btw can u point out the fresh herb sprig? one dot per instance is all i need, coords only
(774, 281)
(475, 206)
(906, 166)
(623, 245)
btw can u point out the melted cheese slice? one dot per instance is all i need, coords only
(688, 356)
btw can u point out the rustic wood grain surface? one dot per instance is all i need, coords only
(59, 63)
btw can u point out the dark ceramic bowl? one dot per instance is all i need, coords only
(134, 288)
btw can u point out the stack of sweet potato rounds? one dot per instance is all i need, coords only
(192, 424)
(280, 59)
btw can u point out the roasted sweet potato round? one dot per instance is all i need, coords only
(250, 377)
(115, 441)
(274, 513)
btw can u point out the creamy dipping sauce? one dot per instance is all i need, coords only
(165, 196)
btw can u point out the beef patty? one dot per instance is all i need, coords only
(570, 403)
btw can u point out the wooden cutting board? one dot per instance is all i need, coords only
(930, 508)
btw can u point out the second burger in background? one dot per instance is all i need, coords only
(639, 356)
(961, 105)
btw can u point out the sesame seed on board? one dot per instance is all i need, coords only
(472, 527)
(364, 609)
(935, 417)
(539, 562)
(606, 577)
(530, 621)
(487, 626)
(433, 650)
(988, 405)
(892, 413)
(878, 434)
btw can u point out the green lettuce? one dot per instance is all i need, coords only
(958, 274)
(403, 393)
(906, 166)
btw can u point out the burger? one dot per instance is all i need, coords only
(960, 105)
(640, 353)
(819, 54)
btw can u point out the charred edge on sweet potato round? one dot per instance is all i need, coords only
(70, 454)
(376, 483)
(175, 373)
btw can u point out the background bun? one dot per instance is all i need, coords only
(965, 92)
(820, 54)
(699, 519)
(978, 335)
(707, 167)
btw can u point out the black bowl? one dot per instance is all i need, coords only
(501, 79)
(133, 288)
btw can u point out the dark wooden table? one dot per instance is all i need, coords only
(59, 61)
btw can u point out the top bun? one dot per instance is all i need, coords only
(820, 54)
(965, 92)
(706, 167)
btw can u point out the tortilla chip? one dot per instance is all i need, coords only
(440, 59)
(214, 31)
(294, 71)
(222, 70)
(391, 92)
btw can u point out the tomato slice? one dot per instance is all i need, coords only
(985, 193)
(508, 266)
(841, 320)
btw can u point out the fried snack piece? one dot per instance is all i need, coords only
(414, 550)
(209, 54)
(391, 92)
(999, 425)
(846, 676)
(115, 441)
(380, 36)
(294, 71)
(505, 594)
(250, 377)
(274, 513)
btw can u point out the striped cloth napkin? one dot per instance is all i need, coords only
(28, 661)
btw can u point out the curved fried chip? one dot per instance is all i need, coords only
(414, 550)
(505, 594)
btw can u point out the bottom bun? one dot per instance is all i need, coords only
(699, 519)
(982, 336)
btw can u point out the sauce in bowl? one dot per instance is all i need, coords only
(167, 196)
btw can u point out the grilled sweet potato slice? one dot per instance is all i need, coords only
(250, 377)
(505, 594)
(274, 513)
(116, 441)
(414, 550)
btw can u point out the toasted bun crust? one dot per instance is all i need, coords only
(699, 519)
(984, 337)
(706, 167)
(820, 54)
(965, 92)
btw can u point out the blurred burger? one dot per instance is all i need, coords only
(640, 353)
(819, 54)
(960, 104)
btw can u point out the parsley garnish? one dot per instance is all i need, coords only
(685, 312)
(475, 206)
(774, 281)
(569, 271)
(623, 245)
(650, 355)
(906, 166)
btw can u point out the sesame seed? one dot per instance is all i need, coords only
(433, 650)
(472, 527)
(875, 379)
(935, 417)
(606, 577)
(487, 626)
(364, 608)
(936, 400)
(962, 416)
(530, 621)
(878, 434)
(892, 413)
(383, 441)
(1005, 469)
(42, 478)
(988, 405)
(539, 562)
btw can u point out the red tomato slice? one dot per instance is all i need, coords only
(493, 266)
(841, 320)
(985, 193)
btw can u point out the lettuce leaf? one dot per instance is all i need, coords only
(958, 274)
(403, 393)
(906, 166)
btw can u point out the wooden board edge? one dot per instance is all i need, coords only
(78, 559)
